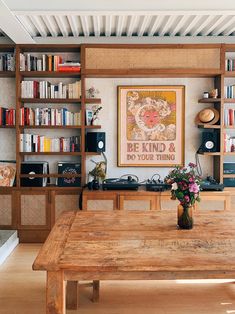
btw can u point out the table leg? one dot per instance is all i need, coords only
(55, 301)
(96, 290)
(72, 295)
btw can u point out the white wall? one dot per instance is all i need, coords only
(194, 87)
(7, 136)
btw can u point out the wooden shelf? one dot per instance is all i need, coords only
(229, 100)
(211, 154)
(93, 100)
(51, 175)
(229, 74)
(50, 127)
(50, 187)
(49, 74)
(51, 153)
(93, 126)
(229, 127)
(59, 100)
(7, 74)
(50, 100)
(229, 153)
(209, 100)
(229, 175)
(209, 126)
(7, 126)
(176, 72)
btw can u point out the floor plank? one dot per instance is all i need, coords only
(22, 291)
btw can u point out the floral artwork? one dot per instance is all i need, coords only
(7, 173)
(151, 125)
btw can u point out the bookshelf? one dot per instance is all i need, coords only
(34, 223)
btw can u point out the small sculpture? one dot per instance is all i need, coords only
(100, 169)
(92, 92)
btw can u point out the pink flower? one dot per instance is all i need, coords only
(192, 165)
(194, 188)
(191, 179)
(186, 198)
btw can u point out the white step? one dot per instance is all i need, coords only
(8, 241)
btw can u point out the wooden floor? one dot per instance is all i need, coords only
(22, 291)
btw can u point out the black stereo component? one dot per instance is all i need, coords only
(33, 167)
(155, 184)
(130, 183)
(95, 142)
(210, 142)
(210, 184)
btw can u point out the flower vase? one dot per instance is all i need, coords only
(185, 217)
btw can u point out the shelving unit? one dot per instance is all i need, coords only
(54, 199)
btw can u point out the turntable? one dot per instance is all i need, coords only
(122, 183)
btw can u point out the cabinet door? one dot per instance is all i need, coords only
(34, 210)
(137, 202)
(6, 211)
(66, 201)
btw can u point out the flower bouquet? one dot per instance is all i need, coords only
(185, 185)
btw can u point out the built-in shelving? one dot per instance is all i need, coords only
(49, 74)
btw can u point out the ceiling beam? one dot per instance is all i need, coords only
(96, 23)
(11, 26)
(108, 25)
(51, 25)
(190, 25)
(73, 25)
(166, 25)
(62, 25)
(120, 24)
(153, 29)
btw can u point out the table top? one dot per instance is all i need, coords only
(139, 241)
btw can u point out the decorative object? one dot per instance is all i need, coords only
(7, 173)
(213, 93)
(92, 92)
(207, 116)
(89, 116)
(150, 126)
(100, 169)
(185, 187)
(95, 119)
(205, 95)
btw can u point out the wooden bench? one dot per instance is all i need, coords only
(120, 245)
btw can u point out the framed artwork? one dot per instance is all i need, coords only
(7, 173)
(151, 126)
(89, 116)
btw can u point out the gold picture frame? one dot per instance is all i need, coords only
(151, 124)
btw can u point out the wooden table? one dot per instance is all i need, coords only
(134, 245)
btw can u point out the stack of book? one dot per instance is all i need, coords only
(7, 62)
(39, 143)
(229, 117)
(69, 66)
(44, 89)
(229, 91)
(7, 116)
(49, 117)
(229, 65)
(47, 62)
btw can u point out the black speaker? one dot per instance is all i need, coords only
(210, 142)
(95, 142)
